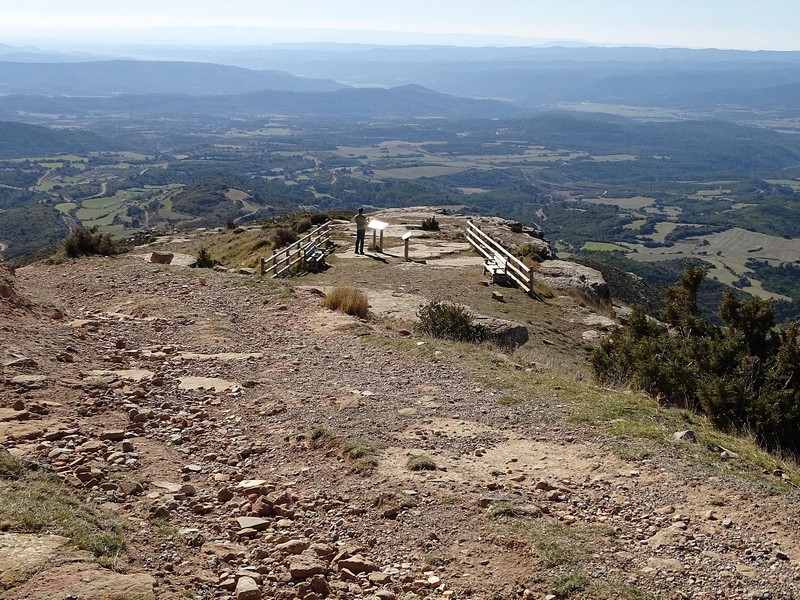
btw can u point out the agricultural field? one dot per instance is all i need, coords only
(632, 204)
(604, 247)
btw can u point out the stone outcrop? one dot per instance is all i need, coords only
(563, 275)
(8, 291)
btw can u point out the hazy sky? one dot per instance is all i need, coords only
(741, 24)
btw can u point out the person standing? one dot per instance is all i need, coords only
(361, 231)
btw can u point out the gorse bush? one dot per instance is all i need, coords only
(745, 376)
(537, 253)
(87, 242)
(204, 260)
(348, 300)
(450, 321)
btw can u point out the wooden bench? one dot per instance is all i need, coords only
(497, 267)
(313, 257)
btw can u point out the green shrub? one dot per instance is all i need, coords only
(204, 260)
(360, 455)
(745, 376)
(87, 242)
(450, 321)
(319, 218)
(430, 224)
(348, 300)
(319, 433)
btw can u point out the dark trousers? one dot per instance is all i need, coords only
(360, 235)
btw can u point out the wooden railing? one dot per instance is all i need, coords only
(284, 259)
(516, 270)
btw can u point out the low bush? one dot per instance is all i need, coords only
(282, 237)
(430, 224)
(204, 260)
(534, 251)
(303, 225)
(88, 242)
(349, 300)
(360, 456)
(450, 321)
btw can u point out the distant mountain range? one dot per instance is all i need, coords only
(542, 77)
(113, 77)
(708, 82)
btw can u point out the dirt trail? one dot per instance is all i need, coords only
(294, 477)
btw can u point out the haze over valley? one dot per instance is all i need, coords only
(636, 157)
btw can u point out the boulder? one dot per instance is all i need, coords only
(357, 564)
(307, 564)
(505, 334)
(247, 589)
(686, 436)
(162, 258)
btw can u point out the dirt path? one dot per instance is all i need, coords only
(285, 459)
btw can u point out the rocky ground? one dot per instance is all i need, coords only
(257, 446)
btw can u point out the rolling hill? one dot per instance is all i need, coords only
(103, 78)
(402, 102)
(21, 139)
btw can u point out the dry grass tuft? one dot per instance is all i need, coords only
(348, 300)
(420, 462)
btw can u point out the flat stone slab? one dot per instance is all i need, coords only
(77, 323)
(178, 258)
(23, 553)
(169, 486)
(127, 374)
(84, 581)
(29, 380)
(225, 356)
(207, 383)
(256, 523)
(26, 430)
(19, 362)
(9, 414)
